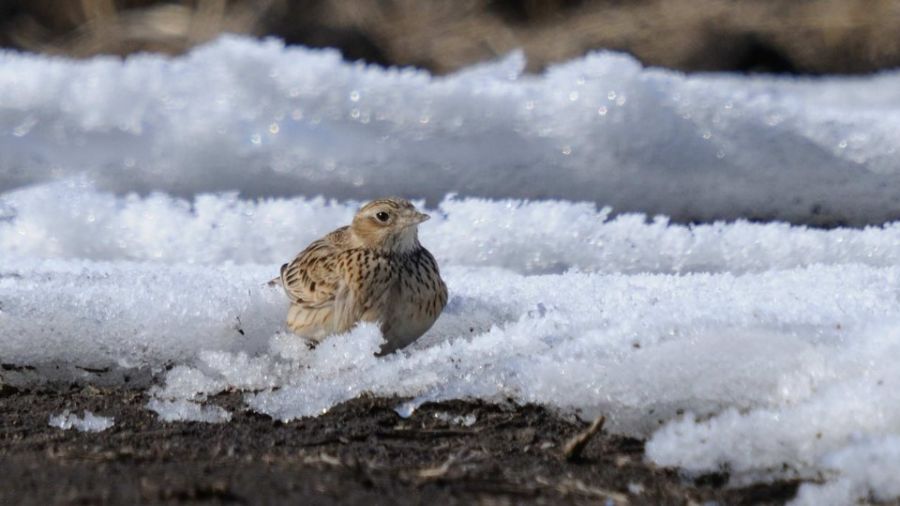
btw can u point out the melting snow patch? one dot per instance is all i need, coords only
(181, 410)
(463, 420)
(88, 423)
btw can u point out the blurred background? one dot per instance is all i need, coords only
(781, 36)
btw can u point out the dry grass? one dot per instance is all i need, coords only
(803, 36)
(88, 27)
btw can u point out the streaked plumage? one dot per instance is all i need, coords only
(374, 270)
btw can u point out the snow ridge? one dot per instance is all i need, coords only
(271, 120)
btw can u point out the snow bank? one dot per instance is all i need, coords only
(78, 317)
(269, 120)
(868, 470)
(772, 368)
(71, 219)
(88, 423)
(498, 326)
(780, 368)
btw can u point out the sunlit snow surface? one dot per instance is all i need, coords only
(267, 120)
(774, 361)
(764, 349)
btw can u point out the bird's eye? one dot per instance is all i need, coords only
(382, 216)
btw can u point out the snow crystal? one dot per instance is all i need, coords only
(88, 423)
(270, 120)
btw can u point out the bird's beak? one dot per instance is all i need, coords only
(418, 217)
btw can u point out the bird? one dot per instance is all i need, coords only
(374, 270)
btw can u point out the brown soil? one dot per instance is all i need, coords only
(360, 452)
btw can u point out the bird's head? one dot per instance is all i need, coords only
(389, 224)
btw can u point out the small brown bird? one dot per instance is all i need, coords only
(374, 270)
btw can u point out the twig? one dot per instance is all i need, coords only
(323, 458)
(437, 472)
(574, 447)
(577, 487)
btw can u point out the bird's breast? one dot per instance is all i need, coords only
(418, 297)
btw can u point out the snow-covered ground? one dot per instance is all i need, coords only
(765, 349)
(267, 120)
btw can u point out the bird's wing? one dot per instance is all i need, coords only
(313, 278)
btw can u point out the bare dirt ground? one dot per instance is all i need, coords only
(360, 452)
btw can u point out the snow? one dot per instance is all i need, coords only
(79, 314)
(182, 410)
(775, 365)
(764, 349)
(88, 423)
(270, 120)
(72, 219)
(868, 470)
(463, 420)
